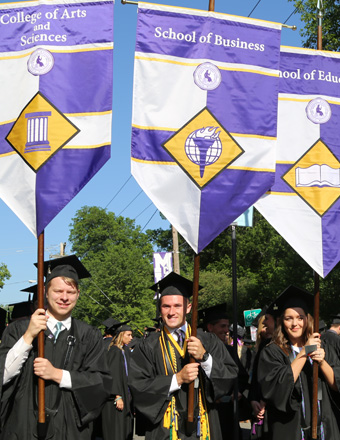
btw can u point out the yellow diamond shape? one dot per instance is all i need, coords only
(203, 148)
(40, 131)
(315, 177)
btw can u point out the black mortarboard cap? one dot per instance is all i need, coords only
(174, 284)
(336, 318)
(292, 297)
(32, 289)
(112, 324)
(69, 266)
(214, 313)
(21, 310)
(263, 312)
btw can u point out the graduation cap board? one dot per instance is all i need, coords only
(114, 327)
(291, 297)
(174, 284)
(32, 289)
(21, 310)
(214, 313)
(68, 266)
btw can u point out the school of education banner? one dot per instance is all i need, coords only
(204, 115)
(303, 205)
(55, 103)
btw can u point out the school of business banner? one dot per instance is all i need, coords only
(303, 205)
(55, 103)
(204, 115)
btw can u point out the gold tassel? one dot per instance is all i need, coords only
(167, 417)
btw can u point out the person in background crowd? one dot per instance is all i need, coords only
(268, 319)
(160, 371)
(74, 367)
(117, 414)
(331, 336)
(244, 353)
(216, 321)
(285, 373)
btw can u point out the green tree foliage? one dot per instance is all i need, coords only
(330, 23)
(118, 256)
(4, 274)
(266, 265)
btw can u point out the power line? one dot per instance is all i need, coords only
(149, 220)
(294, 12)
(140, 192)
(118, 191)
(143, 211)
(254, 8)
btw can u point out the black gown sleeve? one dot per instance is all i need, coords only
(116, 366)
(276, 379)
(224, 370)
(91, 381)
(147, 381)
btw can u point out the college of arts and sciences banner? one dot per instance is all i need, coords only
(204, 115)
(303, 205)
(55, 102)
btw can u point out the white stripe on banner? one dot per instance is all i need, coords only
(21, 201)
(184, 197)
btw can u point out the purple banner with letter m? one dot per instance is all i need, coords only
(204, 115)
(55, 103)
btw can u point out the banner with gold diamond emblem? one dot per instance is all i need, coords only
(204, 115)
(303, 205)
(55, 103)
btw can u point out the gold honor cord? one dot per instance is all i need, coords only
(170, 419)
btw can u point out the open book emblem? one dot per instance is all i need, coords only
(315, 177)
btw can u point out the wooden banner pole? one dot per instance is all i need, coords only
(41, 340)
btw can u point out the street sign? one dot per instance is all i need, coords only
(250, 315)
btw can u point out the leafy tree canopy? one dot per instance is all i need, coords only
(4, 274)
(330, 23)
(266, 265)
(118, 256)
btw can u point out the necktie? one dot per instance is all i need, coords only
(58, 329)
(180, 337)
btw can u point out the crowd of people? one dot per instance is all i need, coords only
(168, 384)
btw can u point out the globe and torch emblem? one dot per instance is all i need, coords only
(204, 147)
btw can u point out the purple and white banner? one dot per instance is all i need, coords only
(303, 205)
(204, 115)
(55, 103)
(162, 265)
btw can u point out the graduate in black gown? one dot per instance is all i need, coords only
(160, 372)
(285, 373)
(74, 368)
(117, 414)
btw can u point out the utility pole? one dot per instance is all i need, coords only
(175, 250)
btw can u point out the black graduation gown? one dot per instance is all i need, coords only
(76, 408)
(150, 385)
(118, 425)
(284, 397)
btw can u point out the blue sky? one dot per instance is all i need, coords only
(18, 247)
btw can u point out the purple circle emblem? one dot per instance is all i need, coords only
(318, 111)
(40, 62)
(207, 76)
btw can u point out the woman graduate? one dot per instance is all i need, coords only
(117, 414)
(285, 373)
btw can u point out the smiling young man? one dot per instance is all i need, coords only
(74, 366)
(160, 371)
